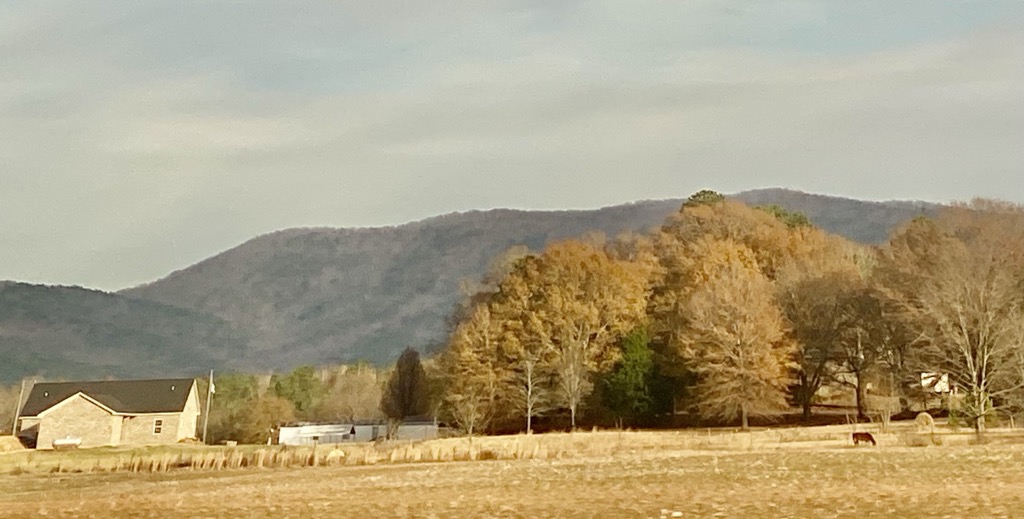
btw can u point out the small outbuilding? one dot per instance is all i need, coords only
(365, 431)
(110, 412)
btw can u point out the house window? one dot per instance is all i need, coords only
(158, 425)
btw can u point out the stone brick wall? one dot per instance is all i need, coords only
(189, 422)
(77, 418)
(139, 430)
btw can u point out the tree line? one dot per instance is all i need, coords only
(248, 407)
(731, 312)
(725, 313)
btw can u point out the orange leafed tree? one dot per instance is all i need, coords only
(586, 301)
(474, 379)
(736, 338)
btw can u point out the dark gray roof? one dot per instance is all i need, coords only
(123, 396)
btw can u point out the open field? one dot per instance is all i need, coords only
(813, 472)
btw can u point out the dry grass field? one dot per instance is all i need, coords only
(811, 472)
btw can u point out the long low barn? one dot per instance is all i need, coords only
(308, 434)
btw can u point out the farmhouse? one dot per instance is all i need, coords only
(113, 412)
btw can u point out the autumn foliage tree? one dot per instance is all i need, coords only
(538, 341)
(736, 336)
(719, 260)
(586, 302)
(473, 376)
(742, 305)
(264, 415)
(523, 350)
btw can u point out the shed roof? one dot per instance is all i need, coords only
(123, 396)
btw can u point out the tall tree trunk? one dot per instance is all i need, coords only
(743, 412)
(806, 395)
(980, 408)
(860, 398)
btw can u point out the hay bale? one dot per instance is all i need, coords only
(335, 457)
(925, 422)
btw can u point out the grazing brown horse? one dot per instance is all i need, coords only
(863, 437)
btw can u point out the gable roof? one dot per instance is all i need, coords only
(122, 396)
(81, 395)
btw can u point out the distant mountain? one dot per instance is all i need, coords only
(65, 332)
(858, 220)
(312, 296)
(339, 295)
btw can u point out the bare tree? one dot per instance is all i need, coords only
(961, 274)
(350, 393)
(574, 384)
(812, 307)
(859, 341)
(532, 379)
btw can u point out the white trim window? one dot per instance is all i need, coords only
(158, 426)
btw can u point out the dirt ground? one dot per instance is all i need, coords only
(819, 479)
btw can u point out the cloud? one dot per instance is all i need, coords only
(140, 139)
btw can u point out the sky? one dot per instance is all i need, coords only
(137, 138)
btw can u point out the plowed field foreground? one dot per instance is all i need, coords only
(821, 479)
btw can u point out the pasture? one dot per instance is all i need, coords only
(799, 472)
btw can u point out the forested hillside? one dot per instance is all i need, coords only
(339, 295)
(316, 296)
(732, 312)
(63, 332)
(857, 220)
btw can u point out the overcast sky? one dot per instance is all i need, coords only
(137, 138)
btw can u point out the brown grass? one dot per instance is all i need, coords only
(814, 472)
(521, 447)
(10, 444)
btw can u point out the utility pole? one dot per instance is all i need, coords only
(17, 408)
(209, 399)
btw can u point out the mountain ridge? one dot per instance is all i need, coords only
(316, 295)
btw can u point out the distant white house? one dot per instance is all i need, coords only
(936, 382)
(309, 434)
